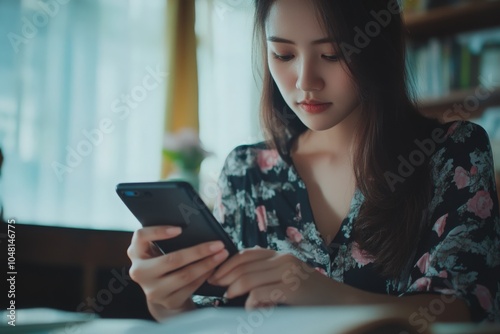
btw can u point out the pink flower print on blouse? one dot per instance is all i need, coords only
(293, 234)
(260, 211)
(298, 213)
(423, 284)
(267, 159)
(443, 274)
(445, 291)
(360, 256)
(320, 270)
(481, 204)
(423, 263)
(461, 178)
(473, 170)
(484, 297)
(440, 225)
(452, 129)
(220, 211)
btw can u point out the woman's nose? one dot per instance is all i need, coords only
(308, 77)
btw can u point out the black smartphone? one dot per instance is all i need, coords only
(176, 203)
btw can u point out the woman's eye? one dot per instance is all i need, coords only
(331, 57)
(282, 57)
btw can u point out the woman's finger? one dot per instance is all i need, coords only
(245, 256)
(243, 269)
(155, 268)
(246, 283)
(186, 278)
(267, 296)
(176, 299)
(140, 245)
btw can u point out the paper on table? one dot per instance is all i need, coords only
(36, 320)
(311, 320)
(314, 320)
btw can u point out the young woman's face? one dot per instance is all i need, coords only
(305, 67)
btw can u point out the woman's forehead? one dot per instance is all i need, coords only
(294, 19)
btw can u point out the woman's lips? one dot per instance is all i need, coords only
(314, 107)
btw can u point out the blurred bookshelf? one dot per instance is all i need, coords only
(434, 106)
(452, 19)
(454, 56)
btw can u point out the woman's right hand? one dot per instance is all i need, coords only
(169, 280)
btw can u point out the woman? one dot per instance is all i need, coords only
(354, 198)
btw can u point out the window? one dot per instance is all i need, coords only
(82, 102)
(81, 107)
(229, 90)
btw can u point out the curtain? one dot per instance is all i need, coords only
(82, 107)
(229, 89)
(182, 93)
(83, 101)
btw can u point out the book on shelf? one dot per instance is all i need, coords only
(419, 6)
(454, 63)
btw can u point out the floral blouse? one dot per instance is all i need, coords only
(264, 202)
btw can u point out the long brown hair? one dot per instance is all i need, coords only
(391, 219)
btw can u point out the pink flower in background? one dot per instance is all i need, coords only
(484, 296)
(481, 204)
(260, 211)
(293, 234)
(423, 284)
(461, 178)
(473, 170)
(423, 263)
(360, 256)
(184, 149)
(440, 225)
(267, 159)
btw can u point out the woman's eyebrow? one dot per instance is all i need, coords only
(276, 39)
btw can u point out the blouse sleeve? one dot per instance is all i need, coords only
(461, 254)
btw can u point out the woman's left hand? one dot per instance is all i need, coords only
(271, 278)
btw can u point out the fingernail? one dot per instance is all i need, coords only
(216, 246)
(220, 256)
(173, 230)
(225, 295)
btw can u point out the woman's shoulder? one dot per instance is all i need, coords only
(464, 148)
(457, 138)
(260, 157)
(465, 131)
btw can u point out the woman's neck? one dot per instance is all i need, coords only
(336, 142)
